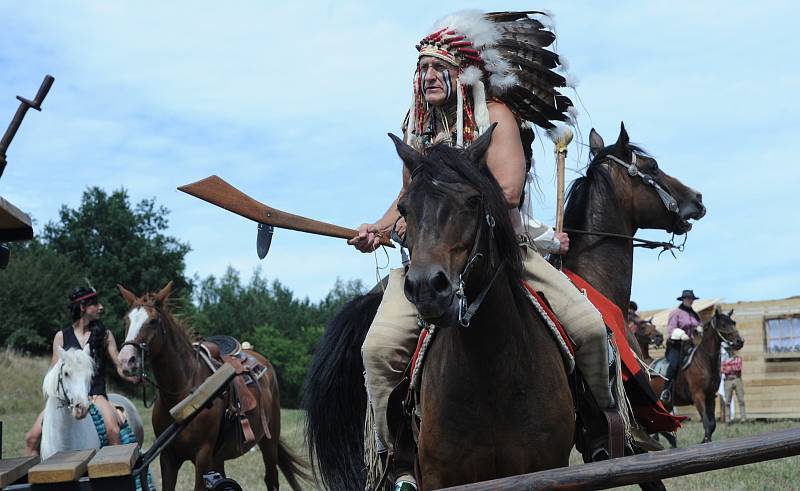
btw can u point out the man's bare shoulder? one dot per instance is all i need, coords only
(498, 111)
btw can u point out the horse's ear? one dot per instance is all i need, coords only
(596, 143)
(730, 314)
(624, 139)
(163, 295)
(87, 349)
(477, 150)
(650, 320)
(409, 156)
(62, 353)
(717, 310)
(128, 295)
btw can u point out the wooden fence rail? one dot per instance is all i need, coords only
(652, 466)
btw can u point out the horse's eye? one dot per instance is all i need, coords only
(66, 374)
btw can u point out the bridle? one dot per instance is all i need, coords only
(670, 203)
(467, 310)
(713, 325)
(64, 401)
(141, 368)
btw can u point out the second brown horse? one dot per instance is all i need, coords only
(177, 371)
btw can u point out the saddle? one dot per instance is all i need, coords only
(245, 390)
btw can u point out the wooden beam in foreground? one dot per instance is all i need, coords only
(13, 469)
(61, 467)
(652, 466)
(113, 461)
(203, 394)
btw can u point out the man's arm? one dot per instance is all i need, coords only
(505, 156)
(113, 355)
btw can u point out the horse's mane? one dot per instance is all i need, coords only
(446, 164)
(597, 177)
(76, 361)
(172, 324)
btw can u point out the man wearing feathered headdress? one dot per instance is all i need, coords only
(474, 70)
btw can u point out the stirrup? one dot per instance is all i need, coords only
(666, 395)
(404, 485)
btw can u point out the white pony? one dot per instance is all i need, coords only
(66, 388)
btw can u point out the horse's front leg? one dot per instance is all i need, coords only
(169, 470)
(700, 404)
(711, 401)
(204, 462)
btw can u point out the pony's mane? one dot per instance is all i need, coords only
(75, 361)
(446, 164)
(597, 177)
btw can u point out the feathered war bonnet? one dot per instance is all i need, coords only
(498, 55)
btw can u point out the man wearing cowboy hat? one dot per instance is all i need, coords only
(682, 324)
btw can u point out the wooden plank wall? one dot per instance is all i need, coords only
(772, 386)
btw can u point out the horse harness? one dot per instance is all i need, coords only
(245, 391)
(64, 401)
(670, 203)
(215, 351)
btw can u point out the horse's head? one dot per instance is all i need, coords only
(724, 327)
(69, 380)
(144, 328)
(457, 229)
(653, 198)
(646, 330)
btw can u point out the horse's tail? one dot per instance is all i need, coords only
(335, 398)
(292, 466)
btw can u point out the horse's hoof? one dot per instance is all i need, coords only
(706, 440)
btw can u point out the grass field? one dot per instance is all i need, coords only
(20, 402)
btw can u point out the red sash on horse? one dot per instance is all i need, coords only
(648, 410)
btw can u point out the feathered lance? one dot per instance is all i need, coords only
(561, 137)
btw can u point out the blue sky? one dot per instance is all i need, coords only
(292, 103)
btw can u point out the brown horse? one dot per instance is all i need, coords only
(483, 415)
(647, 335)
(210, 439)
(698, 384)
(624, 190)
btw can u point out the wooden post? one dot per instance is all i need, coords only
(12, 470)
(652, 466)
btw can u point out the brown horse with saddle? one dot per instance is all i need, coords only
(481, 405)
(247, 415)
(698, 381)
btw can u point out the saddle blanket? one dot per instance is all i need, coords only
(647, 408)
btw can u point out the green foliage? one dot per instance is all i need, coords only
(33, 296)
(112, 242)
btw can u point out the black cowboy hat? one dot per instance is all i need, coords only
(689, 294)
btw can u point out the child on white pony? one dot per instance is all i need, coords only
(87, 332)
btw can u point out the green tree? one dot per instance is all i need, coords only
(112, 242)
(34, 293)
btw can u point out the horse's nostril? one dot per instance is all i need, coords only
(439, 282)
